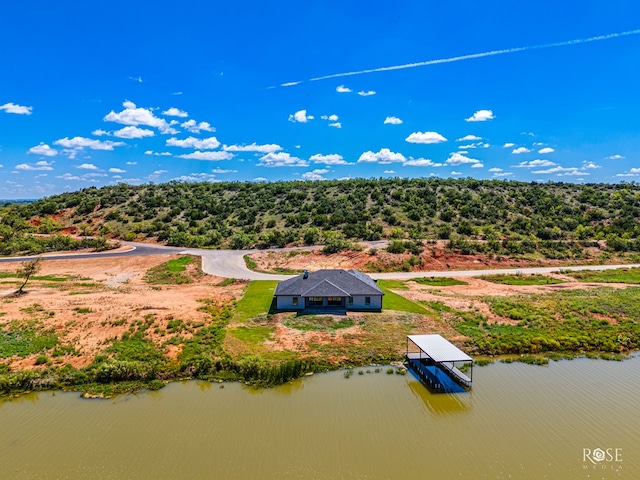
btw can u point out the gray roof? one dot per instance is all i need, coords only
(439, 348)
(329, 283)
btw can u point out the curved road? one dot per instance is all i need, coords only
(230, 263)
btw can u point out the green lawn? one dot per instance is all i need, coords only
(170, 273)
(520, 279)
(438, 281)
(256, 300)
(393, 301)
(619, 275)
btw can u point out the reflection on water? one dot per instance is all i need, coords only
(440, 403)
(519, 421)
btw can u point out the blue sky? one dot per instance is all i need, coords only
(140, 92)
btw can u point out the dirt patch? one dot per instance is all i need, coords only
(433, 258)
(102, 298)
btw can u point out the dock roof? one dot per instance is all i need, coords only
(439, 349)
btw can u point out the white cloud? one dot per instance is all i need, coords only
(392, 121)
(388, 172)
(80, 143)
(562, 171)
(220, 170)
(133, 132)
(281, 159)
(495, 170)
(87, 166)
(331, 159)
(546, 150)
(17, 109)
(426, 137)
(508, 145)
(192, 142)
(267, 148)
(100, 133)
(68, 176)
(175, 112)
(477, 165)
(133, 163)
(316, 174)
(535, 164)
(151, 152)
(384, 156)
(214, 156)
(634, 172)
(469, 138)
(481, 116)
(195, 127)
(136, 79)
(331, 118)
(614, 157)
(590, 165)
(474, 145)
(116, 170)
(342, 89)
(503, 174)
(336, 125)
(366, 93)
(132, 115)
(453, 172)
(41, 165)
(421, 162)
(43, 149)
(457, 158)
(196, 177)
(300, 116)
(519, 150)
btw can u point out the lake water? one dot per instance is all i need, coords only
(520, 422)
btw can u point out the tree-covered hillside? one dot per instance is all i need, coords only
(504, 216)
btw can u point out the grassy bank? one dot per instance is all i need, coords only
(242, 340)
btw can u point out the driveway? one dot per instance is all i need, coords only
(230, 263)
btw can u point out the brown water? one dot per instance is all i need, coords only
(520, 422)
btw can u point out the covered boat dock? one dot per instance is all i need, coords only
(438, 361)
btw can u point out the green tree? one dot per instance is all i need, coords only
(28, 269)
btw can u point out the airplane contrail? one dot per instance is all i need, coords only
(470, 56)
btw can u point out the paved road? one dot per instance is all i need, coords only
(230, 263)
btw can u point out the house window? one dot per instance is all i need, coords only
(315, 301)
(367, 300)
(334, 301)
(350, 300)
(294, 302)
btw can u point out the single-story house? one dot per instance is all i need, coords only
(329, 290)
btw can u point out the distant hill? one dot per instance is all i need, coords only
(502, 217)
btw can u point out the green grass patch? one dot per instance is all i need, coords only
(618, 275)
(577, 322)
(43, 278)
(318, 322)
(23, 340)
(393, 301)
(395, 284)
(520, 279)
(251, 265)
(438, 281)
(256, 334)
(82, 310)
(170, 273)
(256, 300)
(135, 347)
